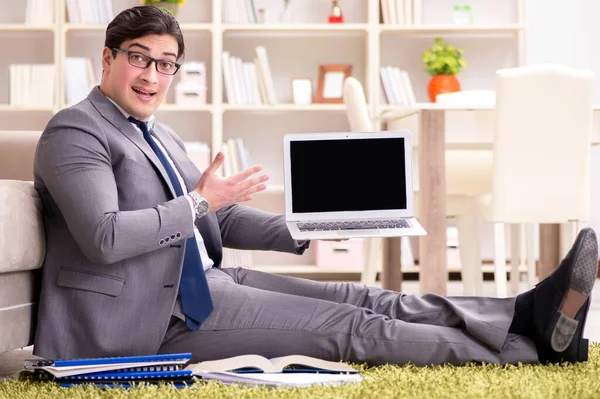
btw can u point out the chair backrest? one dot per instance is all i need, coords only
(17, 151)
(356, 106)
(542, 144)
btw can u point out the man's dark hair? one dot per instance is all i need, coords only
(142, 21)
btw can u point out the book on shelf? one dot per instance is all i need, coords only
(248, 83)
(90, 11)
(32, 85)
(239, 12)
(400, 12)
(289, 371)
(39, 12)
(80, 78)
(397, 86)
(237, 156)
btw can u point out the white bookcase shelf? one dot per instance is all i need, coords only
(294, 51)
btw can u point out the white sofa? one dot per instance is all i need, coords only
(22, 240)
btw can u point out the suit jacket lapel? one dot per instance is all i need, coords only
(117, 119)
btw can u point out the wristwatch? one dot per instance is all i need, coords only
(200, 204)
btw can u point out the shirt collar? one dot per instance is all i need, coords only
(150, 120)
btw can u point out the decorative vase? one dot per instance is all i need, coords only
(171, 8)
(442, 84)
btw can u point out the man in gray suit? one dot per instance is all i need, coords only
(135, 235)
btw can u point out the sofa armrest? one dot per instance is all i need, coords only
(22, 235)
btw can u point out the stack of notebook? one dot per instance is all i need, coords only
(112, 371)
(286, 371)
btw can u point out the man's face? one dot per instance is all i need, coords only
(138, 91)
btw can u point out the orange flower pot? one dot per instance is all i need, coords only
(442, 84)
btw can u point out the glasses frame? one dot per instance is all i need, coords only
(151, 60)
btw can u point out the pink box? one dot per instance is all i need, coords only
(343, 254)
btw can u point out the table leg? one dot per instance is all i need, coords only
(433, 271)
(391, 271)
(549, 249)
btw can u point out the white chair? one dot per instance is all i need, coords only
(468, 175)
(542, 147)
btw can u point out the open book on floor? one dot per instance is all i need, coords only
(286, 371)
(284, 364)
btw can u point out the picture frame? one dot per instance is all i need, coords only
(302, 91)
(331, 83)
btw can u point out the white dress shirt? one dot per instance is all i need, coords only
(207, 262)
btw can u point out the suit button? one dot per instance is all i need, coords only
(178, 235)
(161, 242)
(173, 237)
(167, 239)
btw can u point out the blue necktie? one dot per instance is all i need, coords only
(193, 288)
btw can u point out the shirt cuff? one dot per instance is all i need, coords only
(302, 246)
(191, 202)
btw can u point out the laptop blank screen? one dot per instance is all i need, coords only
(348, 175)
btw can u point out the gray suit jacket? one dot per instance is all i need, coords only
(110, 280)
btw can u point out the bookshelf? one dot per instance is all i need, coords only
(495, 40)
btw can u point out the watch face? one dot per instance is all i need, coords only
(203, 205)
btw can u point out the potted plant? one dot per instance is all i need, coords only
(171, 6)
(443, 62)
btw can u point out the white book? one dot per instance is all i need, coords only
(396, 98)
(248, 83)
(239, 65)
(237, 81)
(73, 11)
(408, 87)
(86, 11)
(401, 11)
(242, 152)
(100, 12)
(110, 14)
(399, 87)
(385, 13)
(417, 12)
(261, 54)
(387, 85)
(29, 11)
(393, 13)
(227, 165)
(77, 79)
(234, 156)
(254, 83)
(408, 19)
(261, 81)
(227, 78)
(12, 85)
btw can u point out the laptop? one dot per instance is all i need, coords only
(349, 185)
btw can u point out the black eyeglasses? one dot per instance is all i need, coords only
(143, 61)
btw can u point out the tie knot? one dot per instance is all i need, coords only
(142, 125)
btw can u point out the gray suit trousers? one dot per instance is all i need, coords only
(270, 315)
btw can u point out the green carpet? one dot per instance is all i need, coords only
(472, 381)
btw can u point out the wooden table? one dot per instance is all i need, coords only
(433, 274)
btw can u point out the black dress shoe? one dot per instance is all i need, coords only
(561, 303)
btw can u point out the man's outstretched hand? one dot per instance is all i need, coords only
(223, 191)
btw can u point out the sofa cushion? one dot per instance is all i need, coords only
(22, 236)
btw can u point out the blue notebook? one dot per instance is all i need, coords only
(72, 367)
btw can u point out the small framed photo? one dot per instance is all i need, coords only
(302, 91)
(331, 82)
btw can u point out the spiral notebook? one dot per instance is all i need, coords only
(123, 365)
